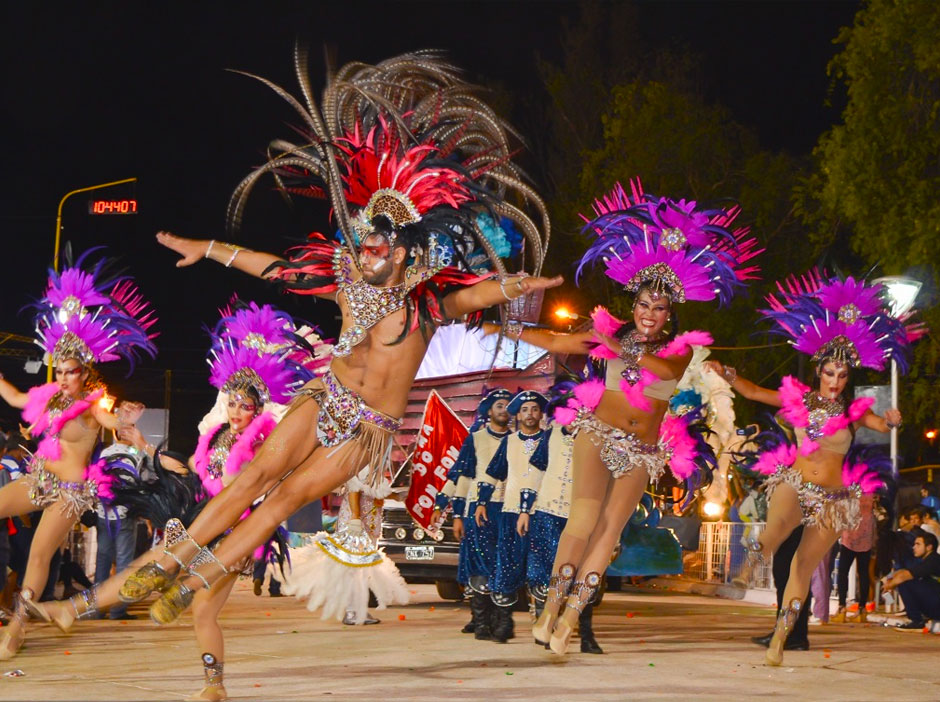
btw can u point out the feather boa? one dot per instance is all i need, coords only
(242, 451)
(794, 410)
(98, 474)
(37, 415)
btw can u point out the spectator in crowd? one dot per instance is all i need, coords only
(919, 584)
(929, 499)
(925, 520)
(855, 546)
(117, 537)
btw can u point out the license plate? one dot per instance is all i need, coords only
(419, 553)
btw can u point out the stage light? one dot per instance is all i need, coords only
(712, 510)
(930, 434)
(106, 402)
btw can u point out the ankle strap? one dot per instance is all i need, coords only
(213, 670)
(582, 592)
(559, 584)
(89, 600)
(203, 565)
(177, 543)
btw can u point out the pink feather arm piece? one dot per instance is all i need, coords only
(242, 451)
(601, 350)
(684, 341)
(605, 322)
(791, 400)
(634, 393)
(859, 474)
(49, 447)
(37, 399)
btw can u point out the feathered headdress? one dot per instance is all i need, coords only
(93, 314)
(675, 248)
(260, 348)
(409, 140)
(843, 319)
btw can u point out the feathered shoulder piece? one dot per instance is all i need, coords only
(842, 319)
(675, 248)
(93, 313)
(408, 140)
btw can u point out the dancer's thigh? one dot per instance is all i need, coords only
(14, 499)
(783, 516)
(590, 483)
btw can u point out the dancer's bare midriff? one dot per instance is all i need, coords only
(822, 467)
(616, 411)
(379, 370)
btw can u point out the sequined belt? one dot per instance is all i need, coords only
(835, 508)
(46, 488)
(342, 410)
(621, 452)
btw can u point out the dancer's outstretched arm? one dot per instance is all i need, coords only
(194, 250)
(556, 342)
(750, 390)
(494, 292)
(11, 395)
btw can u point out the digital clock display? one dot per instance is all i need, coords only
(112, 207)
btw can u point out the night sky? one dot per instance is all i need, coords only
(96, 92)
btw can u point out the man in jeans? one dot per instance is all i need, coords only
(116, 540)
(919, 583)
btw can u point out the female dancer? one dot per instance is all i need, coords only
(86, 317)
(337, 571)
(664, 252)
(842, 325)
(256, 361)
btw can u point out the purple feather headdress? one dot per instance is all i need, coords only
(846, 320)
(259, 347)
(676, 248)
(93, 315)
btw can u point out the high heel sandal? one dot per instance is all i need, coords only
(582, 594)
(214, 689)
(10, 644)
(785, 621)
(82, 605)
(177, 598)
(755, 558)
(152, 577)
(559, 585)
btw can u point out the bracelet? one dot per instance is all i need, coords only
(518, 282)
(729, 374)
(513, 329)
(893, 426)
(228, 264)
(209, 249)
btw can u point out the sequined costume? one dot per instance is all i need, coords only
(550, 508)
(336, 571)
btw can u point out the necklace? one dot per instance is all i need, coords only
(58, 403)
(820, 410)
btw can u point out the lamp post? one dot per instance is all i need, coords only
(58, 232)
(900, 292)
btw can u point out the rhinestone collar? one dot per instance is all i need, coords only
(820, 411)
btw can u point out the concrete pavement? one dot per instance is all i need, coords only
(661, 645)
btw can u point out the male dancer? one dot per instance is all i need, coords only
(413, 208)
(548, 518)
(475, 565)
(511, 464)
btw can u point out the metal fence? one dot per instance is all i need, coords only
(721, 555)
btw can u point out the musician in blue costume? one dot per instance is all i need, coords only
(477, 556)
(511, 465)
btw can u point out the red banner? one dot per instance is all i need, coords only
(436, 449)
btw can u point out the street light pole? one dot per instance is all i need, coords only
(901, 292)
(58, 217)
(58, 232)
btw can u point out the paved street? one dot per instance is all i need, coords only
(661, 645)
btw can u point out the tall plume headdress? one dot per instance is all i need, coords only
(261, 348)
(93, 313)
(843, 319)
(676, 248)
(409, 140)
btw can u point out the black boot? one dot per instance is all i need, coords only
(485, 607)
(504, 628)
(586, 631)
(477, 614)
